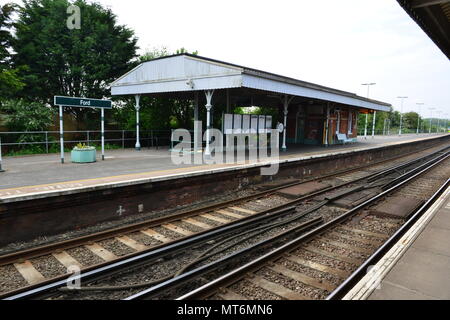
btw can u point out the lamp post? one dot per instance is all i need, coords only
(445, 122)
(401, 115)
(418, 116)
(431, 116)
(438, 114)
(368, 88)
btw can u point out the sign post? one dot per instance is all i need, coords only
(81, 103)
(103, 132)
(61, 132)
(1, 170)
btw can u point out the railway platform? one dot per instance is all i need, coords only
(417, 267)
(39, 196)
(36, 176)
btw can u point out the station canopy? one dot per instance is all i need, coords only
(181, 75)
(433, 16)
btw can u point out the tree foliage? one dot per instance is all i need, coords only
(10, 81)
(27, 116)
(78, 62)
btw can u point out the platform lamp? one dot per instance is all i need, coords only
(420, 104)
(401, 115)
(431, 117)
(438, 115)
(367, 114)
(446, 122)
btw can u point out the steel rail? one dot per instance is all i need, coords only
(357, 275)
(236, 274)
(102, 235)
(157, 252)
(31, 293)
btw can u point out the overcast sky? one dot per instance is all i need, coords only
(340, 44)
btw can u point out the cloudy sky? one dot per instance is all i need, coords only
(340, 44)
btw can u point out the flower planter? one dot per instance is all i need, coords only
(84, 155)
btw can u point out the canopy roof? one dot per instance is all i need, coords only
(433, 16)
(180, 75)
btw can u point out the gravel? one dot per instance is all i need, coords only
(84, 256)
(116, 247)
(350, 242)
(337, 250)
(188, 226)
(168, 233)
(220, 215)
(375, 225)
(292, 284)
(152, 271)
(207, 221)
(330, 262)
(10, 279)
(358, 235)
(48, 266)
(253, 292)
(144, 239)
(313, 273)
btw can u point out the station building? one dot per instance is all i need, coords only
(310, 113)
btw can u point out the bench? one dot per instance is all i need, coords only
(343, 138)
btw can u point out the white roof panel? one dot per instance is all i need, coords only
(186, 72)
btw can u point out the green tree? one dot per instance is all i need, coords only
(10, 82)
(156, 113)
(78, 62)
(410, 121)
(27, 116)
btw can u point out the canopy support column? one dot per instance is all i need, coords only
(373, 124)
(137, 107)
(286, 105)
(228, 100)
(327, 124)
(208, 94)
(196, 127)
(365, 127)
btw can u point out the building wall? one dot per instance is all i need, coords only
(313, 119)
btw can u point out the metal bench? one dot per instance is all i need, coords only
(342, 137)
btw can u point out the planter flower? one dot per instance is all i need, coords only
(83, 154)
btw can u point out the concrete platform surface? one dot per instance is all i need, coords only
(423, 271)
(30, 175)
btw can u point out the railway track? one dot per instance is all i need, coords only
(325, 262)
(175, 233)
